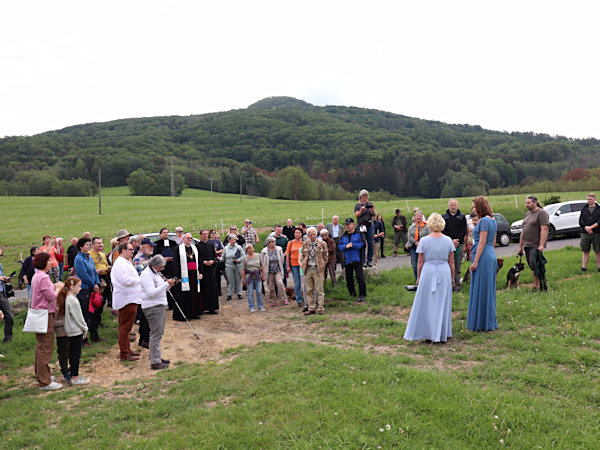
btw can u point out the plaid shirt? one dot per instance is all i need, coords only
(140, 262)
(250, 235)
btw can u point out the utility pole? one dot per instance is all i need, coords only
(240, 188)
(172, 180)
(99, 187)
(211, 180)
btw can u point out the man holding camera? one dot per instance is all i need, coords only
(364, 212)
(250, 236)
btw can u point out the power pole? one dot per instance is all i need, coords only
(172, 180)
(99, 187)
(240, 188)
(211, 180)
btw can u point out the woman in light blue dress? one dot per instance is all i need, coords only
(431, 313)
(484, 266)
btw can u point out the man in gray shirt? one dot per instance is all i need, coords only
(534, 233)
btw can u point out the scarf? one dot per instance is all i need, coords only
(417, 225)
(185, 278)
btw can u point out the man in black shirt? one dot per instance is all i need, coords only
(288, 230)
(456, 229)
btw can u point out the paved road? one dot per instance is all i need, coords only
(402, 260)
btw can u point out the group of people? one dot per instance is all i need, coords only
(141, 279)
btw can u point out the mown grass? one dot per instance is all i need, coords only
(533, 383)
(27, 219)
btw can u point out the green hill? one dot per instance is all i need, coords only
(338, 145)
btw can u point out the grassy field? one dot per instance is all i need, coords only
(531, 384)
(27, 219)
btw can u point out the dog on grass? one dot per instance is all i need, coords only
(512, 277)
(291, 294)
(467, 277)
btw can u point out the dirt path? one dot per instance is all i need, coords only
(232, 327)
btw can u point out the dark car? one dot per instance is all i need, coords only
(503, 233)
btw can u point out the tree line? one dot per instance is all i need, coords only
(342, 149)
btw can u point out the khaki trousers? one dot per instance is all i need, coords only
(314, 280)
(43, 353)
(275, 279)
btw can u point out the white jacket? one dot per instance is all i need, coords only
(154, 288)
(126, 284)
(74, 321)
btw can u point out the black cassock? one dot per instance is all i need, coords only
(210, 299)
(161, 249)
(189, 301)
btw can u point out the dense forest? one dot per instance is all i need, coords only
(340, 148)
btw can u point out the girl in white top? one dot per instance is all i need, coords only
(75, 327)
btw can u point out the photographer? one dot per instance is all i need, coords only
(364, 212)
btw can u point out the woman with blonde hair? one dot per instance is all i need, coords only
(484, 266)
(431, 313)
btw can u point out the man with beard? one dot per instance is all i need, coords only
(456, 229)
(208, 285)
(534, 234)
(186, 265)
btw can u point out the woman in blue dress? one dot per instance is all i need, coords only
(484, 266)
(431, 313)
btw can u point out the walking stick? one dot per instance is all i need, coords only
(186, 319)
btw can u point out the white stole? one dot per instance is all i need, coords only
(185, 278)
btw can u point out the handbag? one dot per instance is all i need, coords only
(9, 291)
(36, 321)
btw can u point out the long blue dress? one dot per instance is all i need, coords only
(431, 313)
(482, 296)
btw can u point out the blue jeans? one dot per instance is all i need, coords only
(414, 258)
(28, 286)
(297, 283)
(255, 286)
(61, 270)
(370, 242)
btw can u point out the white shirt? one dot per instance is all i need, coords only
(154, 289)
(126, 284)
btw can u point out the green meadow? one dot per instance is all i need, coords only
(531, 384)
(27, 219)
(358, 384)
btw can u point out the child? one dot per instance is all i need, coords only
(74, 324)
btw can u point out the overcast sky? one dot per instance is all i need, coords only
(505, 65)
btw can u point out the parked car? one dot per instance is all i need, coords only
(564, 219)
(503, 233)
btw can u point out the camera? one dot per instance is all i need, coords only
(369, 205)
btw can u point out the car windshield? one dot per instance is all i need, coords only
(550, 209)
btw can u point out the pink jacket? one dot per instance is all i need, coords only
(42, 292)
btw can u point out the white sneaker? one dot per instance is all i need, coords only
(79, 381)
(252, 310)
(51, 387)
(262, 310)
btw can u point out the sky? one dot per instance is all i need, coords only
(504, 65)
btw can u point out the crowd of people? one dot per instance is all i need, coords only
(141, 279)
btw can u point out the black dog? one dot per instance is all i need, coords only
(512, 277)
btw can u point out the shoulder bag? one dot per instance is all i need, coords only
(36, 321)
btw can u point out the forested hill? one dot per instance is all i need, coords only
(352, 147)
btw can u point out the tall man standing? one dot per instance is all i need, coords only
(352, 243)
(187, 269)
(207, 257)
(589, 221)
(281, 241)
(534, 234)
(335, 230)
(250, 236)
(456, 229)
(127, 296)
(399, 226)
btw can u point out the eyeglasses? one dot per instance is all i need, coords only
(129, 249)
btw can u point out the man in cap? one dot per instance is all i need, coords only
(399, 226)
(122, 238)
(351, 243)
(140, 262)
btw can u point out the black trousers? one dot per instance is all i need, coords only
(69, 350)
(355, 267)
(144, 326)
(339, 254)
(92, 320)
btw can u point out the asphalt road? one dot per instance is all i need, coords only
(403, 260)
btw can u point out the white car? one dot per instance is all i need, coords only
(564, 219)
